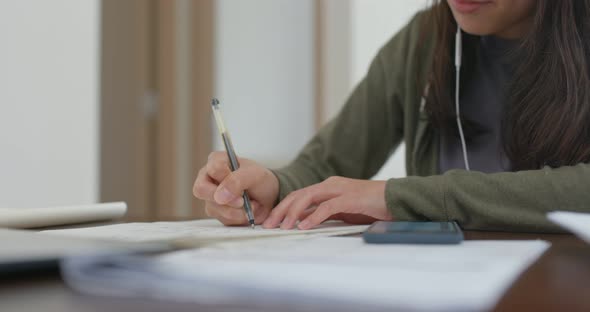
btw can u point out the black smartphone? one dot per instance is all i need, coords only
(406, 232)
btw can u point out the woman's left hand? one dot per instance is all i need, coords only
(337, 198)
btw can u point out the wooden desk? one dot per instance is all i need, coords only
(558, 281)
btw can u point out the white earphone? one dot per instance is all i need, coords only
(458, 52)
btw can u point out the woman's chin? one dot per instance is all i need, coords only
(474, 28)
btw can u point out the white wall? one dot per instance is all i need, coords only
(264, 67)
(48, 102)
(374, 22)
(264, 76)
(371, 24)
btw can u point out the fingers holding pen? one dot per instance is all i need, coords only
(226, 214)
(229, 215)
(223, 189)
(232, 187)
(216, 172)
(218, 166)
(204, 186)
(209, 176)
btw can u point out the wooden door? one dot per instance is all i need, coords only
(156, 82)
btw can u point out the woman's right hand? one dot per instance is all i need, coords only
(222, 189)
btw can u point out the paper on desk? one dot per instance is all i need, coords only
(319, 273)
(576, 222)
(200, 231)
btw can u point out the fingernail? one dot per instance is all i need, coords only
(286, 224)
(303, 225)
(270, 223)
(224, 196)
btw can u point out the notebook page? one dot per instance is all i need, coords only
(199, 231)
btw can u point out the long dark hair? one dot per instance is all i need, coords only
(546, 118)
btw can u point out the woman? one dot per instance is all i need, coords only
(524, 128)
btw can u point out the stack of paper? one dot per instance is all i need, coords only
(318, 273)
(577, 222)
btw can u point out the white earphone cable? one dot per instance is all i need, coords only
(458, 52)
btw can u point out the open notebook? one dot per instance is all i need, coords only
(199, 232)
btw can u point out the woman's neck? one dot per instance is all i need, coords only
(517, 30)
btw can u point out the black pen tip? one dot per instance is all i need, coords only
(214, 102)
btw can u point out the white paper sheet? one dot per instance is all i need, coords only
(576, 222)
(320, 273)
(22, 218)
(200, 231)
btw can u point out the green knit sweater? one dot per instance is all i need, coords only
(386, 108)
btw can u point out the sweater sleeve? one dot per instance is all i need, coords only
(354, 144)
(509, 201)
(367, 130)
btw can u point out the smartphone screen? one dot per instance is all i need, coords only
(402, 232)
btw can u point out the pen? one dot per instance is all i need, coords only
(233, 159)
